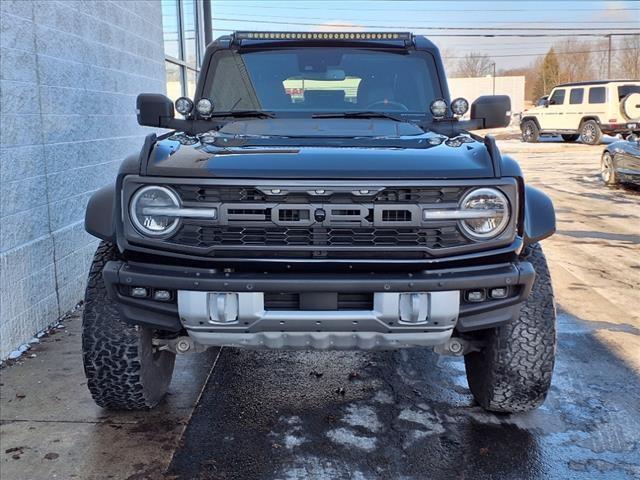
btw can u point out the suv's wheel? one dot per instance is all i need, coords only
(123, 369)
(512, 372)
(607, 170)
(530, 131)
(570, 137)
(590, 132)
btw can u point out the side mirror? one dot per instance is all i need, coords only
(154, 110)
(546, 103)
(492, 111)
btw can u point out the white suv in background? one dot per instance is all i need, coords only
(585, 110)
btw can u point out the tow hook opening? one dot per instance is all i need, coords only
(457, 347)
(179, 345)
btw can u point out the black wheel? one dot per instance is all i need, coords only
(123, 369)
(572, 137)
(607, 169)
(530, 131)
(590, 132)
(512, 373)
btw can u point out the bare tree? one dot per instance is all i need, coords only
(628, 58)
(474, 64)
(574, 58)
(450, 60)
(599, 58)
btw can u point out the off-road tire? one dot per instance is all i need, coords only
(607, 170)
(512, 372)
(530, 131)
(590, 133)
(570, 137)
(123, 370)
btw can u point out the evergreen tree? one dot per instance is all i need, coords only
(548, 74)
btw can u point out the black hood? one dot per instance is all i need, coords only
(323, 149)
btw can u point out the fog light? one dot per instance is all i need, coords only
(204, 107)
(459, 106)
(139, 292)
(184, 106)
(500, 292)
(476, 296)
(162, 295)
(438, 109)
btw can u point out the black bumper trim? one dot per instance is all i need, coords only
(165, 315)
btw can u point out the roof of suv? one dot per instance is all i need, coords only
(593, 82)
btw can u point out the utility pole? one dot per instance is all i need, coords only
(494, 78)
(609, 59)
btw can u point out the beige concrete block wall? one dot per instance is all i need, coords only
(69, 75)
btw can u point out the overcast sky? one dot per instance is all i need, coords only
(426, 17)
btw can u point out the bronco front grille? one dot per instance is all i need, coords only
(213, 236)
(321, 220)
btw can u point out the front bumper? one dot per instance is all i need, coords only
(379, 327)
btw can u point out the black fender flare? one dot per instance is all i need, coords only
(539, 216)
(102, 210)
(99, 218)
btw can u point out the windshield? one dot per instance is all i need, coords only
(323, 80)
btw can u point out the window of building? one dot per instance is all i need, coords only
(183, 45)
(557, 98)
(597, 95)
(576, 95)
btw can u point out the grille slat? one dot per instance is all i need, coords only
(213, 236)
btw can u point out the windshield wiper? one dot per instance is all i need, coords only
(243, 113)
(359, 114)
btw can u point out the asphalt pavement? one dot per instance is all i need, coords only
(236, 414)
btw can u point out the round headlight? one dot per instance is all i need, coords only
(204, 107)
(459, 106)
(184, 106)
(486, 213)
(438, 108)
(146, 211)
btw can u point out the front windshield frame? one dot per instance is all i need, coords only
(432, 70)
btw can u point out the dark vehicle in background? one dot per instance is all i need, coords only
(320, 192)
(620, 161)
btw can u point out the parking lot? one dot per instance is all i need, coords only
(405, 414)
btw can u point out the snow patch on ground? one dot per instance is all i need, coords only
(292, 441)
(362, 416)
(427, 419)
(383, 397)
(344, 436)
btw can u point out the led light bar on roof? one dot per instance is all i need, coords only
(323, 36)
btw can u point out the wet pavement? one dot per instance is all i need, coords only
(408, 414)
(234, 414)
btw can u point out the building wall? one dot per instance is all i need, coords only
(472, 88)
(69, 75)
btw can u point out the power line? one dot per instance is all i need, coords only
(430, 9)
(407, 27)
(288, 18)
(540, 54)
(491, 35)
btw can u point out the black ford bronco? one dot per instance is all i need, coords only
(320, 192)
